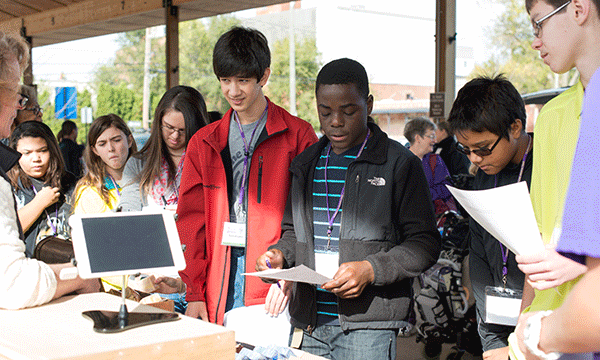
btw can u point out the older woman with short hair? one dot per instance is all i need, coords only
(23, 282)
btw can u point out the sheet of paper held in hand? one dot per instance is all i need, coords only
(506, 213)
(299, 274)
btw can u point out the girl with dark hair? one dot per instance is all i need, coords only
(109, 146)
(40, 183)
(152, 176)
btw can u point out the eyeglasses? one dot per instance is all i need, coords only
(431, 136)
(170, 130)
(479, 152)
(36, 110)
(23, 99)
(537, 24)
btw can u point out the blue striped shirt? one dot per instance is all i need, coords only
(327, 310)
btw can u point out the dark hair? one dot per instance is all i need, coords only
(556, 3)
(56, 166)
(66, 129)
(443, 125)
(417, 126)
(344, 71)
(189, 102)
(96, 173)
(487, 104)
(214, 116)
(241, 52)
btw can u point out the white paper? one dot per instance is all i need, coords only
(299, 274)
(252, 325)
(506, 213)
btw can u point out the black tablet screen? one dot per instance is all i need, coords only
(127, 243)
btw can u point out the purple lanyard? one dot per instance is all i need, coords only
(502, 251)
(115, 185)
(55, 232)
(246, 149)
(330, 218)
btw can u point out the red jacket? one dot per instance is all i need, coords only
(203, 205)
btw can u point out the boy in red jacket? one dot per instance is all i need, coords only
(235, 181)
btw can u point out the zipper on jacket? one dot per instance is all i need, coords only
(259, 190)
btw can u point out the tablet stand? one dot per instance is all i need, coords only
(112, 321)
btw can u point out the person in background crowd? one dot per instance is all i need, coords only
(236, 180)
(71, 151)
(360, 213)
(42, 187)
(32, 110)
(445, 147)
(24, 282)
(152, 176)
(420, 133)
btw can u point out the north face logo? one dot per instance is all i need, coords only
(376, 181)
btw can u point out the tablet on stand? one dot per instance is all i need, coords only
(127, 243)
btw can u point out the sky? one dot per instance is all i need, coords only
(76, 60)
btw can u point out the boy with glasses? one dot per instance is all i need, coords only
(235, 181)
(567, 35)
(488, 119)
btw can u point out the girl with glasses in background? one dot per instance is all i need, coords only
(152, 176)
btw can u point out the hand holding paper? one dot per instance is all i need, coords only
(299, 274)
(506, 213)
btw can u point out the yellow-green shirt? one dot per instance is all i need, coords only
(556, 133)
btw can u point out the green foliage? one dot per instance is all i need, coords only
(511, 36)
(119, 84)
(197, 39)
(307, 67)
(120, 100)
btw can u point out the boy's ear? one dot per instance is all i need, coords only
(369, 104)
(582, 10)
(265, 77)
(516, 128)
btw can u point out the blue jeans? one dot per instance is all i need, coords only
(178, 301)
(333, 343)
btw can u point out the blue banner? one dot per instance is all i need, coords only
(65, 103)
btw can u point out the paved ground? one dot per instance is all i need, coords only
(409, 349)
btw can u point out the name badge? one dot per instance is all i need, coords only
(234, 234)
(327, 263)
(502, 306)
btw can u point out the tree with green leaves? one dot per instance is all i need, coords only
(511, 36)
(307, 67)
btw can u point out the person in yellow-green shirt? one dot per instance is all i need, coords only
(110, 144)
(567, 33)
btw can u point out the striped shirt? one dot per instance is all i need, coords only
(327, 256)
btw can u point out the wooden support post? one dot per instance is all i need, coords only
(172, 47)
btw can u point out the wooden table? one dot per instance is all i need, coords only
(58, 331)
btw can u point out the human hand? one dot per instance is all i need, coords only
(496, 354)
(548, 269)
(197, 309)
(278, 297)
(520, 336)
(351, 279)
(48, 196)
(169, 285)
(274, 258)
(87, 286)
